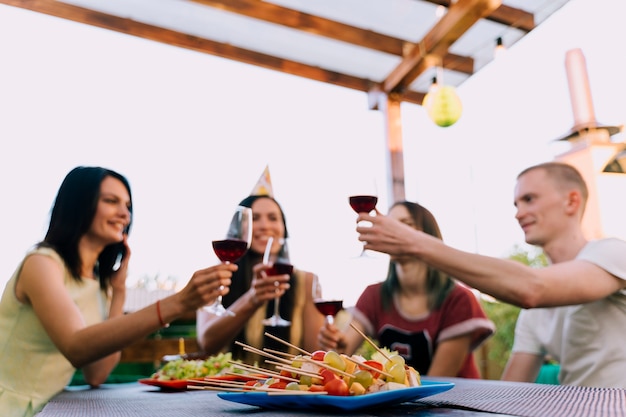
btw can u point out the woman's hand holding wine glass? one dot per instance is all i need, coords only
(232, 248)
(207, 283)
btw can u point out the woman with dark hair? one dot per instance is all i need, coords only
(62, 309)
(427, 317)
(252, 293)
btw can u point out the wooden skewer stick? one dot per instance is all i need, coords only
(270, 391)
(261, 352)
(250, 348)
(294, 392)
(299, 372)
(370, 341)
(262, 373)
(264, 377)
(210, 388)
(278, 339)
(277, 375)
(247, 367)
(278, 352)
(366, 366)
(248, 388)
(234, 384)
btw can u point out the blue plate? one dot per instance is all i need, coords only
(332, 402)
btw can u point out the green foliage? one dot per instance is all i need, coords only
(530, 255)
(498, 348)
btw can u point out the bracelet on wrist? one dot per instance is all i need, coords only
(158, 309)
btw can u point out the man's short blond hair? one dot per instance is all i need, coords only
(564, 175)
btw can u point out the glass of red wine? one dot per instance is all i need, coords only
(364, 200)
(329, 308)
(280, 266)
(232, 248)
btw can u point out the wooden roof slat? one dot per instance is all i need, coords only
(320, 26)
(171, 37)
(416, 58)
(506, 15)
(305, 22)
(513, 17)
(460, 17)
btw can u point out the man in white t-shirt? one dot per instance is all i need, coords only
(577, 304)
(586, 339)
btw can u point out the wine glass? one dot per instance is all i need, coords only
(329, 308)
(280, 266)
(364, 200)
(232, 248)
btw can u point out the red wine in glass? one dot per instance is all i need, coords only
(279, 268)
(329, 308)
(363, 203)
(230, 250)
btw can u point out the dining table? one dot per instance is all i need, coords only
(467, 398)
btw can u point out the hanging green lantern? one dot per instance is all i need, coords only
(443, 105)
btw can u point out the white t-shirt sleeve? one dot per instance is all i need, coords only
(609, 254)
(526, 338)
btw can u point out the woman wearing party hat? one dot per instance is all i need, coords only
(256, 288)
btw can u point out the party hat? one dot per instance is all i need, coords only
(264, 185)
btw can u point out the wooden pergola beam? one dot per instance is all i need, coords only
(195, 43)
(514, 18)
(431, 51)
(461, 16)
(308, 23)
(506, 15)
(331, 29)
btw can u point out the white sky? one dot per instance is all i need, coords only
(193, 133)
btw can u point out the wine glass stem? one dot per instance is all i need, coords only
(363, 253)
(218, 301)
(330, 319)
(276, 306)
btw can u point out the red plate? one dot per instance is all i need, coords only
(175, 384)
(181, 384)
